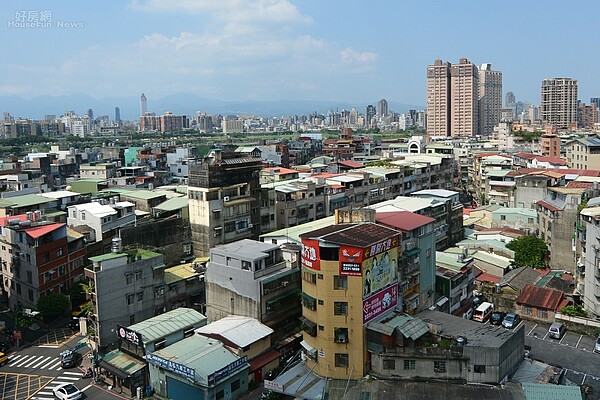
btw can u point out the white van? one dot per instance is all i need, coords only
(483, 312)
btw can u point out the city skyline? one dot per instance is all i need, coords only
(281, 50)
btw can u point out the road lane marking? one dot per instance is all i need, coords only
(535, 326)
(86, 388)
(37, 364)
(72, 373)
(54, 365)
(48, 346)
(580, 336)
(48, 363)
(71, 378)
(561, 339)
(32, 361)
(544, 338)
(20, 362)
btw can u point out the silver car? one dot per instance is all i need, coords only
(597, 345)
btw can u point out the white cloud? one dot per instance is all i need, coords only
(351, 56)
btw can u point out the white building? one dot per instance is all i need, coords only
(102, 218)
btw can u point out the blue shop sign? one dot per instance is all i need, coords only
(179, 369)
(224, 372)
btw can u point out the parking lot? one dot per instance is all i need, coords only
(571, 339)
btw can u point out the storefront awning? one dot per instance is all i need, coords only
(121, 364)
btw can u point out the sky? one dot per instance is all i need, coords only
(342, 50)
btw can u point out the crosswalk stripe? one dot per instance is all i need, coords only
(46, 393)
(37, 364)
(15, 358)
(70, 378)
(72, 373)
(21, 361)
(48, 363)
(54, 365)
(32, 361)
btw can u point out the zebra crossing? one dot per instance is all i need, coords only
(49, 363)
(66, 377)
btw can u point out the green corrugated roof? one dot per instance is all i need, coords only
(410, 327)
(494, 259)
(144, 254)
(544, 391)
(176, 203)
(278, 275)
(26, 200)
(164, 324)
(205, 355)
(123, 362)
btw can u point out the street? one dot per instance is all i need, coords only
(33, 372)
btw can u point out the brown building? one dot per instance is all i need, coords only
(587, 115)
(550, 145)
(464, 99)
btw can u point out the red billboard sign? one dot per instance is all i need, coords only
(381, 247)
(350, 261)
(310, 254)
(380, 302)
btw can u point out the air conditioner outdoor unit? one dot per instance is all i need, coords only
(226, 198)
(284, 283)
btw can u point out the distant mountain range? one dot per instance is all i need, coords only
(181, 103)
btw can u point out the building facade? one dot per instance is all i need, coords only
(349, 274)
(464, 99)
(438, 99)
(559, 102)
(490, 99)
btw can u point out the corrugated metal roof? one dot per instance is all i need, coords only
(123, 362)
(242, 331)
(173, 204)
(164, 324)
(179, 272)
(540, 297)
(205, 355)
(544, 391)
(410, 327)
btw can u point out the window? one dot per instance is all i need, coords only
(309, 302)
(30, 293)
(131, 319)
(340, 308)
(530, 220)
(19, 289)
(321, 328)
(320, 276)
(129, 279)
(309, 277)
(62, 270)
(439, 366)
(220, 395)
(503, 217)
(479, 369)
(159, 291)
(235, 385)
(321, 302)
(342, 360)
(246, 265)
(340, 335)
(29, 277)
(59, 252)
(340, 282)
(389, 364)
(140, 296)
(410, 364)
(28, 257)
(138, 275)
(129, 299)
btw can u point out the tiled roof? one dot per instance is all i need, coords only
(406, 221)
(361, 235)
(351, 164)
(518, 278)
(580, 185)
(540, 297)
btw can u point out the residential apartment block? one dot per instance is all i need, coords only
(559, 103)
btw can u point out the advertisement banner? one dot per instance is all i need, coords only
(377, 304)
(224, 372)
(310, 254)
(350, 261)
(380, 271)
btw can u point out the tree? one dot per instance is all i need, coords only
(529, 252)
(53, 304)
(574, 311)
(77, 293)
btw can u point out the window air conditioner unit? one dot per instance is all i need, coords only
(226, 198)
(284, 283)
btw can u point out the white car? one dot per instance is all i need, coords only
(67, 391)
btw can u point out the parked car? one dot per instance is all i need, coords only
(3, 359)
(597, 345)
(557, 330)
(74, 324)
(483, 312)
(497, 317)
(70, 359)
(67, 391)
(511, 320)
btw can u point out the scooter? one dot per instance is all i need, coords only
(88, 374)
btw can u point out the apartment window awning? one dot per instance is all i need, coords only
(283, 296)
(279, 276)
(159, 266)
